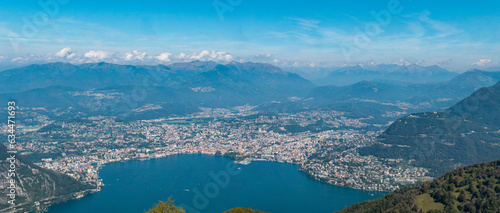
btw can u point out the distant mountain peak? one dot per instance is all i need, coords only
(411, 73)
(260, 67)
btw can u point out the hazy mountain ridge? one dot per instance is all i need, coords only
(343, 76)
(181, 88)
(377, 98)
(442, 94)
(175, 89)
(99, 75)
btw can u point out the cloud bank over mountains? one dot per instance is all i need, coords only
(137, 57)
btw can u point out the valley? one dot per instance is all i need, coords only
(338, 135)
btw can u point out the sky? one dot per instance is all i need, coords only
(457, 35)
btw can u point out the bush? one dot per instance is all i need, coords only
(166, 207)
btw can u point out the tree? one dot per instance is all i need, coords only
(470, 208)
(166, 207)
(461, 198)
(243, 210)
(451, 209)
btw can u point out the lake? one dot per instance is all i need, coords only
(204, 183)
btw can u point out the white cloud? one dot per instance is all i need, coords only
(69, 55)
(98, 55)
(134, 55)
(65, 53)
(200, 56)
(287, 63)
(482, 62)
(165, 57)
(181, 56)
(259, 58)
(402, 62)
(206, 55)
(265, 56)
(445, 62)
(17, 59)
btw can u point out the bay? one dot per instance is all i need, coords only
(135, 186)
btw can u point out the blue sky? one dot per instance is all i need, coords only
(457, 35)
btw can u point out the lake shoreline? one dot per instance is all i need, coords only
(208, 155)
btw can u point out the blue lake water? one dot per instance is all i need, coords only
(200, 184)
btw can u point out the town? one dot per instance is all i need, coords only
(323, 142)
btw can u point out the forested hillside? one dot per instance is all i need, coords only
(474, 188)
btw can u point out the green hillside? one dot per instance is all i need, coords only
(36, 184)
(474, 188)
(466, 133)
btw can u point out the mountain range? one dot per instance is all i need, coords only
(144, 92)
(343, 76)
(376, 98)
(441, 94)
(111, 89)
(181, 75)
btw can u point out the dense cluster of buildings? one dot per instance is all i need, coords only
(324, 143)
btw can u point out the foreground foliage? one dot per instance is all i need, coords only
(243, 210)
(169, 207)
(474, 188)
(166, 207)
